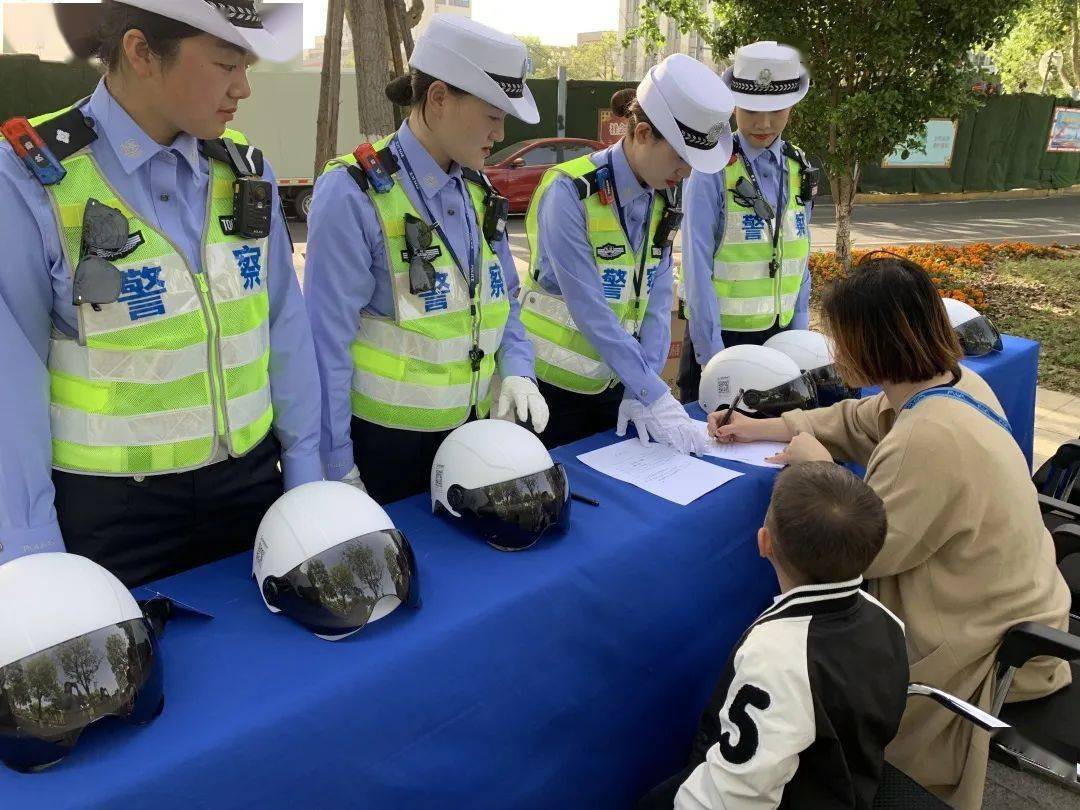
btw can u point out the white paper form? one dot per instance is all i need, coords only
(658, 469)
(749, 453)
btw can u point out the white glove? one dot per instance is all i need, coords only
(520, 399)
(668, 423)
(352, 478)
(632, 411)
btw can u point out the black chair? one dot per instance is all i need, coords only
(1057, 477)
(897, 790)
(1062, 518)
(1044, 737)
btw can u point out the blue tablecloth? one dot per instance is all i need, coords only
(568, 676)
(1013, 375)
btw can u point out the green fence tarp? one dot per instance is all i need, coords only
(31, 87)
(1000, 146)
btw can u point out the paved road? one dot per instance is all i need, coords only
(1041, 220)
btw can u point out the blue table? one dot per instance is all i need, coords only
(568, 676)
(1013, 375)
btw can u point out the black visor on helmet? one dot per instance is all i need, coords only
(830, 387)
(978, 337)
(336, 592)
(49, 698)
(796, 394)
(513, 515)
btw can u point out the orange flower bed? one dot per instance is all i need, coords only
(950, 266)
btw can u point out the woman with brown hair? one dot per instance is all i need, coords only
(967, 555)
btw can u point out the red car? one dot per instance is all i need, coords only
(515, 170)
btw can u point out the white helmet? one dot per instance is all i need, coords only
(760, 381)
(813, 354)
(498, 478)
(329, 557)
(977, 335)
(74, 648)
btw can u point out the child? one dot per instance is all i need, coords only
(815, 689)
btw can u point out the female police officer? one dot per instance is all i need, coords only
(409, 281)
(745, 278)
(598, 298)
(150, 395)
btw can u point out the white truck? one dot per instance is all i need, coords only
(281, 118)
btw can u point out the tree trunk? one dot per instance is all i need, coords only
(330, 87)
(371, 45)
(843, 189)
(1074, 50)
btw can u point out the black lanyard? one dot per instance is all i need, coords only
(646, 249)
(776, 230)
(472, 274)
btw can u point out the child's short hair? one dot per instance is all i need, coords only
(826, 524)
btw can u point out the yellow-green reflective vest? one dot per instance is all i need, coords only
(564, 356)
(750, 299)
(412, 371)
(178, 367)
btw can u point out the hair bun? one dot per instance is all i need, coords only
(399, 91)
(621, 101)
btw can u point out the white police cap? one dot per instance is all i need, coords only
(479, 60)
(272, 32)
(767, 76)
(691, 108)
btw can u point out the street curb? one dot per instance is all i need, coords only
(966, 196)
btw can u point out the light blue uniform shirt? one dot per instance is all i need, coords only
(705, 204)
(167, 187)
(567, 267)
(346, 277)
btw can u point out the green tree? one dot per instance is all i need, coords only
(545, 58)
(594, 60)
(15, 684)
(42, 684)
(80, 660)
(116, 648)
(1043, 25)
(879, 70)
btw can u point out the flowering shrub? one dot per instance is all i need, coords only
(951, 267)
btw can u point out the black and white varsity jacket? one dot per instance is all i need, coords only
(812, 694)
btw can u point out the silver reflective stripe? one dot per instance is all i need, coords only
(99, 430)
(436, 397)
(248, 408)
(794, 267)
(552, 307)
(383, 334)
(765, 305)
(740, 271)
(153, 366)
(173, 290)
(570, 361)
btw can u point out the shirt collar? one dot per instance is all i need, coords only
(776, 149)
(626, 182)
(429, 174)
(132, 146)
(837, 589)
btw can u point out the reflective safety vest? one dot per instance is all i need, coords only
(750, 298)
(564, 356)
(178, 366)
(413, 371)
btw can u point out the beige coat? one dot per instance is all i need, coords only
(966, 557)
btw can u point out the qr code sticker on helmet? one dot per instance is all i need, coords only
(723, 385)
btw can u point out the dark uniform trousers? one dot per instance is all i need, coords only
(689, 378)
(575, 416)
(143, 530)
